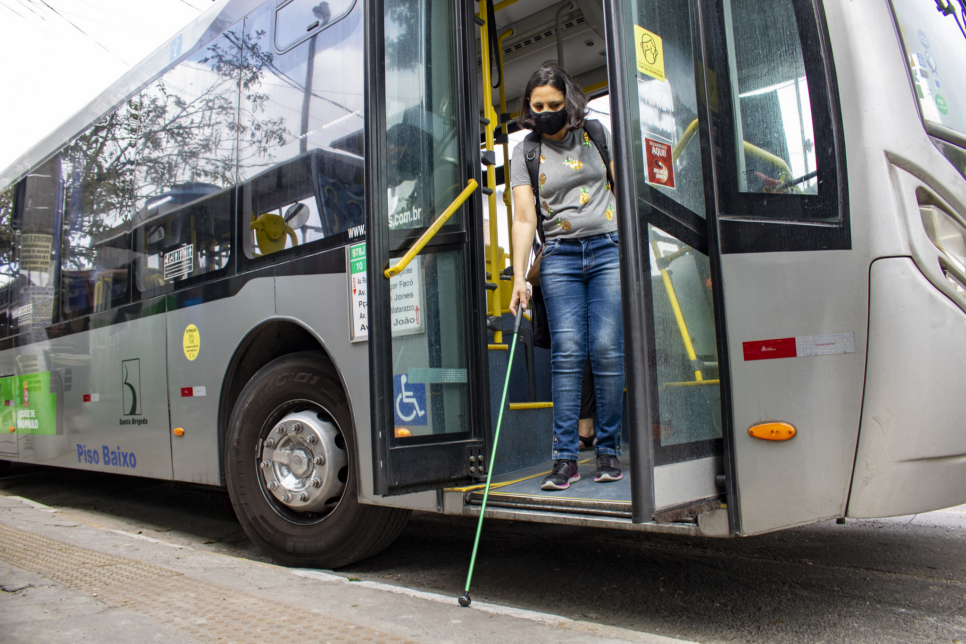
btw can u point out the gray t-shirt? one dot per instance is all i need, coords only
(573, 186)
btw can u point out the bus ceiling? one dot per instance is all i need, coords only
(527, 35)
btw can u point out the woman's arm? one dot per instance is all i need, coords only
(524, 228)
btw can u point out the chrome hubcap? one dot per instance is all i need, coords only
(300, 462)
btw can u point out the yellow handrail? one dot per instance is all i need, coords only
(399, 266)
(678, 314)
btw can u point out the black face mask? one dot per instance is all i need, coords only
(549, 122)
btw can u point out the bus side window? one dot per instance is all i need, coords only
(312, 197)
(182, 233)
(8, 259)
(99, 202)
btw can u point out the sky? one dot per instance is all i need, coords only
(58, 55)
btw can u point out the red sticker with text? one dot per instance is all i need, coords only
(660, 166)
(770, 349)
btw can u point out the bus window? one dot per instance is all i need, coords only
(183, 233)
(309, 97)
(8, 259)
(99, 204)
(670, 156)
(310, 198)
(935, 50)
(300, 19)
(39, 247)
(775, 139)
(186, 123)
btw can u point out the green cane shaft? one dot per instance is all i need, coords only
(489, 469)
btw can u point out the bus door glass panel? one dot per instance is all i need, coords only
(429, 367)
(667, 155)
(296, 108)
(99, 204)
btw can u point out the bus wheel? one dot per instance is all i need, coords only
(290, 461)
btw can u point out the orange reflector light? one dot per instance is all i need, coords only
(178, 431)
(772, 431)
(402, 432)
(13, 429)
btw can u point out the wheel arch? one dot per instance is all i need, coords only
(269, 340)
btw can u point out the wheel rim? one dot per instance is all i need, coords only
(302, 463)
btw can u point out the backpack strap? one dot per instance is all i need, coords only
(532, 146)
(595, 131)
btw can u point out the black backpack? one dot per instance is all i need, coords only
(532, 146)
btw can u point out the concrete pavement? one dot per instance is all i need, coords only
(65, 578)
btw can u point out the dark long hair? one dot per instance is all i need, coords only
(576, 104)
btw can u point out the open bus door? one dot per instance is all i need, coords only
(731, 154)
(427, 334)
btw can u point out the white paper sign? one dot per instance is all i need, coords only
(406, 300)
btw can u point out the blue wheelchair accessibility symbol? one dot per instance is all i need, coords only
(409, 401)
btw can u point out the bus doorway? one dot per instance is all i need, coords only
(673, 426)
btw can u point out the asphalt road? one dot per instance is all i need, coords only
(894, 580)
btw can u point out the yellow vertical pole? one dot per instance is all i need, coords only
(678, 315)
(497, 301)
(507, 197)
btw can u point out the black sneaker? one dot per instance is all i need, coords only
(608, 469)
(564, 473)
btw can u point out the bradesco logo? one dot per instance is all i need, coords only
(106, 456)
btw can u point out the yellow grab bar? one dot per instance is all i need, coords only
(678, 315)
(403, 262)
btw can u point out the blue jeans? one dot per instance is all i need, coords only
(581, 284)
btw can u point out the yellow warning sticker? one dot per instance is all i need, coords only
(191, 342)
(650, 52)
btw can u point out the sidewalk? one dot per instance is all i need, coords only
(63, 580)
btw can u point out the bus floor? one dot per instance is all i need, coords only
(521, 490)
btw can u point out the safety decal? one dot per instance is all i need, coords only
(191, 342)
(193, 392)
(410, 401)
(92, 397)
(800, 347)
(650, 52)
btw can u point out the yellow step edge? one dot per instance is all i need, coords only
(691, 383)
(533, 405)
(505, 483)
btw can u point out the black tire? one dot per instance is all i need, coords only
(351, 531)
(4, 467)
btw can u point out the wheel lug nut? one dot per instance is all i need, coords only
(286, 497)
(271, 485)
(265, 465)
(297, 428)
(316, 483)
(270, 443)
(303, 497)
(319, 460)
(280, 429)
(312, 440)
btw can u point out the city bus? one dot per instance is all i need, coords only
(268, 258)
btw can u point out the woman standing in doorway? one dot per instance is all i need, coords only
(579, 270)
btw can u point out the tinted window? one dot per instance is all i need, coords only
(307, 199)
(184, 233)
(935, 50)
(187, 124)
(310, 97)
(775, 139)
(297, 19)
(99, 172)
(39, 247)
(8, 258)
